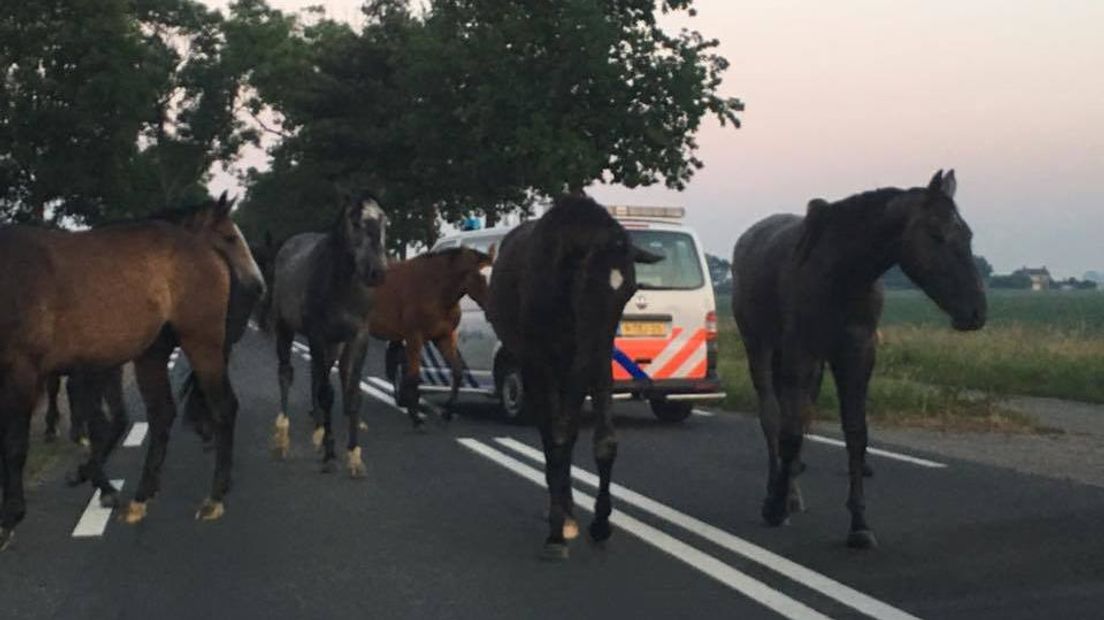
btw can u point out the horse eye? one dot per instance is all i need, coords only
(230, 238)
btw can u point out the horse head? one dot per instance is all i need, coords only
(211, 221)
(936, 252)
(469, 267)
(362, 234)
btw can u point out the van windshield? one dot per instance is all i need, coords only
(681, 267)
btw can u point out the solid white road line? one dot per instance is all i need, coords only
(804, 576)
(387, 387)
(94, 520)
(136, 435)
(711, 566)
(378, 394)
(704, 413)
(876, 451)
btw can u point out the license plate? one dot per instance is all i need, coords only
(643, 328)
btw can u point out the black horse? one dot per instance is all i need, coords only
(323, 287)
(556, 296)
(806, 291)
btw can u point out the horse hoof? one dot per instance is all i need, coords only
(774, 512)
(868, 471)
(316, 438)
(862, 539)
(554, 552)
(362, 425)
(109, 499)
(354, 463)
(328, 467)
(600, 531)
(570, 529)
(795, 504)
(281, 439)
(210, 510)
(6, 536)
(135, 512)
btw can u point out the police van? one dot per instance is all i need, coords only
(665, 351)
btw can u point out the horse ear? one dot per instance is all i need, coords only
(815, 221)
(491, 252)
(936, 183)
(949, 184)
(222, 206)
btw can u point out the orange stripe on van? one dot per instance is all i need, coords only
(640, 349)
(696, 341)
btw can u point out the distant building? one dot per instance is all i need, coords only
(1040, 278)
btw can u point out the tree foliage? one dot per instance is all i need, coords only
(477, 106)
(113, 107)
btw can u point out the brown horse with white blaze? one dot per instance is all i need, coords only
(97, 299)
(419, 302)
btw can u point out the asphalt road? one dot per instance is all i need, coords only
(448, 523)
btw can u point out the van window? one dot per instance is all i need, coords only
(483, 244)
(681, 266)
(444, 245)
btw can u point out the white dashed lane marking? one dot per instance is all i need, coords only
(95, 518)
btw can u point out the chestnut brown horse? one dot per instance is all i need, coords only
(419, 302)
(99, 298)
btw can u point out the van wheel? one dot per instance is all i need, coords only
(671, 411)
(511, 393)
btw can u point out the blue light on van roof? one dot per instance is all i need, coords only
(471, 223)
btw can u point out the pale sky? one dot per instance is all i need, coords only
(847, 96)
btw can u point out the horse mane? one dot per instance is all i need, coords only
(851, 211)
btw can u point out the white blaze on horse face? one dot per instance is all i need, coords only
(370, 210)
(616, 279)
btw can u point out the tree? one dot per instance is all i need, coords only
(113, 108)
(720, 272)
(483, 106)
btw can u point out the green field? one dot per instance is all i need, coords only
(1035, 344)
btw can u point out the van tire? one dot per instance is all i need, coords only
(511, 391)
(671, 411)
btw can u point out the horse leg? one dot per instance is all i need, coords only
(794, 375)
(208, 360)
(112, 391)
(53, 386)
(408, 395)
(605, 453)
(86, 393)
(852, 365)
(152, 375)
(557, 441)
(351, 369)
(763, 363)
(322, 393)
(447, 346)
(281, 437)
(19, 390)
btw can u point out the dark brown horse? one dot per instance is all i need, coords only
(806, 292)
(556, 296)
(112, 398)
(100, 298)
(324, 287)
(419, 302)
